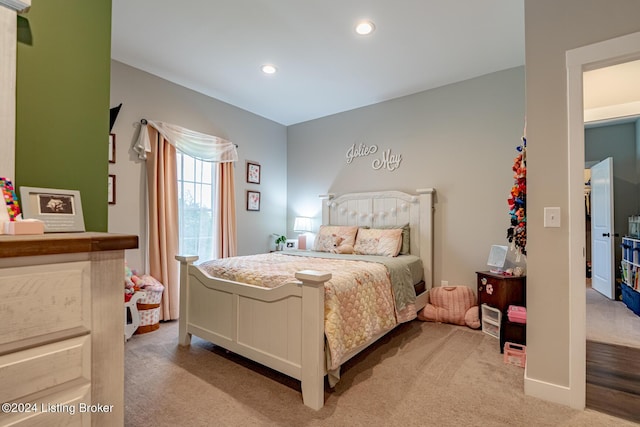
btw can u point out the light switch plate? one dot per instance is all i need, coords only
(552, 217)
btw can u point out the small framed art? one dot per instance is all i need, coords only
(253, 173)
(111, 186)
(60, 210)
(253, 200)
(291, 244)
(112, 148)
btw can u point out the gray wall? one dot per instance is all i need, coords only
(551, 28)
(260, 140)
(460, 139)
(619, 142)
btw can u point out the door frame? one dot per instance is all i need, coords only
(609, 52)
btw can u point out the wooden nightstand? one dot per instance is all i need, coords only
(500, 291)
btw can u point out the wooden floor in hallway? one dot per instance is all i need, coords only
(613, 379)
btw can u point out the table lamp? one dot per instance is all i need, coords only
(302, 225)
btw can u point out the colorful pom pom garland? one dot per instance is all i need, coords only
(517, 231)
(10, 198)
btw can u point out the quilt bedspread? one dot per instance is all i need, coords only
(359, 303)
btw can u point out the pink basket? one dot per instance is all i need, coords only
(152, 288)
(515, 354)
(517, 314)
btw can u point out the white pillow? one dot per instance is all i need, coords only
(377, 241)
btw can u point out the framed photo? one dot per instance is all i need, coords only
(112, 148)
(253, 173)
(111, 189)
(253, 200)
(291, 244)
(60, 210)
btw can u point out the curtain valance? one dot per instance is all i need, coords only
(195, 144)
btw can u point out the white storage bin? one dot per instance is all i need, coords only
(491, 320)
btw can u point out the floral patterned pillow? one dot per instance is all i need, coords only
(330, 236)
(377, 241)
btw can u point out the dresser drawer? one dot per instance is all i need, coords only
(31, 371)
(62, 408)
(39, 300)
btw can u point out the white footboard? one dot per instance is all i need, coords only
(282, 328)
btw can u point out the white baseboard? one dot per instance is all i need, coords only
(552, 392)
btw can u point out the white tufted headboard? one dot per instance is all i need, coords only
(385, 208)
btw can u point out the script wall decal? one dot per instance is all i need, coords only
(387, 160)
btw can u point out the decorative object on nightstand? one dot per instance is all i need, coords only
(302, 225)
(280, 241)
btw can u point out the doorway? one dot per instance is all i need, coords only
(608, 320)
(592, 57)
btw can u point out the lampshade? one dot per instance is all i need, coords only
(302, 224)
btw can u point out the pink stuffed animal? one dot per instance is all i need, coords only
(339, 248)
(452, 304)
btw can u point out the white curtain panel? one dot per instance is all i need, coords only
(195, 144)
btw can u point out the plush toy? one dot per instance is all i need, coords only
(343, 249)
(338, 247)
(452, 304)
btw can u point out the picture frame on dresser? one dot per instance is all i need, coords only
(59, 210)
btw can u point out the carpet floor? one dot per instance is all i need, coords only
(611, 321)
(420, 374)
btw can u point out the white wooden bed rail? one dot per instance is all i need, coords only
(282, 328)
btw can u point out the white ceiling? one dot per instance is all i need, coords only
(216, 47)
(612, 92)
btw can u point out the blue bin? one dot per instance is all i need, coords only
(631, 299)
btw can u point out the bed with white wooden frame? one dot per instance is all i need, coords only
(231, 314)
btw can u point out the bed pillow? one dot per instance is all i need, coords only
(406, 231)
(331, 236)
(378, 241)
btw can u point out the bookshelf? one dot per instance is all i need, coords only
(630, 270)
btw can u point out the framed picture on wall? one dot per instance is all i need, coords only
(253, 200)
(112, 148)
(253, 173)
(112, 189)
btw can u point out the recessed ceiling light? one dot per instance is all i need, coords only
(365, 28)
(268, 69)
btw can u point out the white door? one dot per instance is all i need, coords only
(602, 234)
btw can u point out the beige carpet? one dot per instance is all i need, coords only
(611, 321)
(422, 374)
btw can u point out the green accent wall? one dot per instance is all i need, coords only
(62, 105)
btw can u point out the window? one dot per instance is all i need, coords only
(196, 206)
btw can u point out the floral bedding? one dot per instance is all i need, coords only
(359, 301)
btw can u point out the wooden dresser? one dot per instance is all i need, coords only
(61, 329)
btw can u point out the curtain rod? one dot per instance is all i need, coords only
(144, 122)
